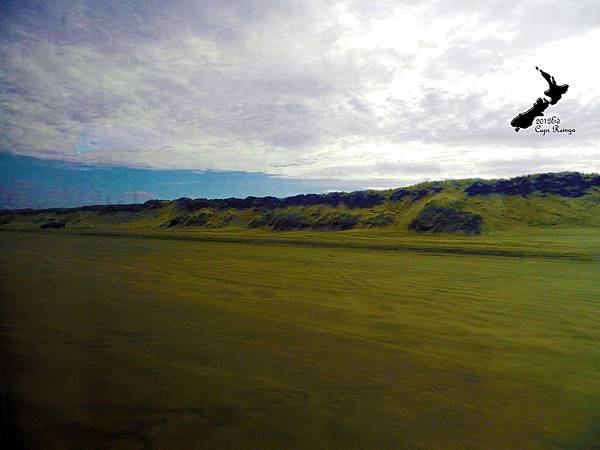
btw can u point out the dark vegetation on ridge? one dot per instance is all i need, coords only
(441, 219)
(566, 184)
(284, 220)
(359, 199)
(454, 206)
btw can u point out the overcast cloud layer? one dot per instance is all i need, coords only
(373, 90)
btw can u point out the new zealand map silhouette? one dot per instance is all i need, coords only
(554, 92)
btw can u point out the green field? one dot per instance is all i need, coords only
(301, 341)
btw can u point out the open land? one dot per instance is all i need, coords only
(348, 339)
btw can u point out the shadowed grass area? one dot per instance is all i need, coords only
(124, 342)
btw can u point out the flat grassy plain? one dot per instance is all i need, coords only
(289, 340)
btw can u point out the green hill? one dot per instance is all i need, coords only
(472, 206)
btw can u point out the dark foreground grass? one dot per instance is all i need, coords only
(115, 342)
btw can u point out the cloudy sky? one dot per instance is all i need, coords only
(368, 93)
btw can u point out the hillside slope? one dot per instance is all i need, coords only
(471, 206)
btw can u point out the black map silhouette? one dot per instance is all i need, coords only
(525, 119)
(554, 92)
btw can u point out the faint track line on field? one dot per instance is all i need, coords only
(432, 250)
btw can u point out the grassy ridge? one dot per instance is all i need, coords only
(115, 342)
(460, 206)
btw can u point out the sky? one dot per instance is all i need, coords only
(304, 95)
(28, 182)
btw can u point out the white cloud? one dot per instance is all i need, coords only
(349, 89)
